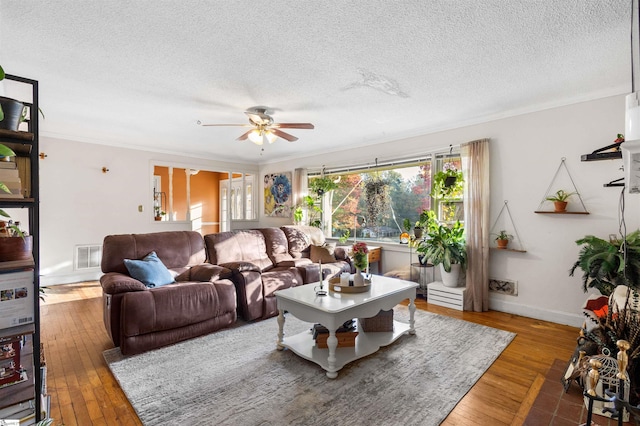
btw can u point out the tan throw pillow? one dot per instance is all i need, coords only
(323, 253)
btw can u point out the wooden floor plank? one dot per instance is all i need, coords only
(84, 392)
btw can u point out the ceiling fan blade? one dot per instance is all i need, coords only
(235, 125)
(293, 125)
(284, 135)
(244, 136)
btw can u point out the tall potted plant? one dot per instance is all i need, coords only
(608, 264)
(446, 246)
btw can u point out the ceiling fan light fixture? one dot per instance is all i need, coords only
(255, 136)
(270, 136)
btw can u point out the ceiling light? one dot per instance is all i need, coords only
(256, 136)
(260, 136)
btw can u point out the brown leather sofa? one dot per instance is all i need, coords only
(138, 318)
(265, 260)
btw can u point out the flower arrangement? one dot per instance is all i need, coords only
(360, 255)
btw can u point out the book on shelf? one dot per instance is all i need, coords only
(16, 298)
(8, 164)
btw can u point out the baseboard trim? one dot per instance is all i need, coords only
(48, 280)
(574, 320)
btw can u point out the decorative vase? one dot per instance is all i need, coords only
(502, 244)
(560, 206)
(450, 279)
(12, 113)
(358, 279)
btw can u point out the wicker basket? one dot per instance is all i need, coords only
(381, 322)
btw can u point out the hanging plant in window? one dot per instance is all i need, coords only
(321, 185)
(376, 192)
(447, 183)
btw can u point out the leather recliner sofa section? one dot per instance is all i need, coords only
(139, 318)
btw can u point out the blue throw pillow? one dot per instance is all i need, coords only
(150, 270)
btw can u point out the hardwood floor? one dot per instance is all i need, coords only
(83, 391)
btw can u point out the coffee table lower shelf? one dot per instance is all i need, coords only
(303, 345)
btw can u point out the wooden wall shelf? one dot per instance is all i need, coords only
(551, 212)
(507, 249)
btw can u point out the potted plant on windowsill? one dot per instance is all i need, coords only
(560, 200)
(446, 246)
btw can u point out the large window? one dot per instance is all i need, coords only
(374, 202)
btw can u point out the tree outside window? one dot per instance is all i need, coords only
(374, 203)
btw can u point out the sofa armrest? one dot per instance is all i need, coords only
(295, 262)
(205, 273)
(115, 282)
(241, 266)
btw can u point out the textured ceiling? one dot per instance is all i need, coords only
(141, 73)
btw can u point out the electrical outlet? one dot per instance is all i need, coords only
(503, 286)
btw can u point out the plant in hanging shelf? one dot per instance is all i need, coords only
(560, 200)
(502, 239)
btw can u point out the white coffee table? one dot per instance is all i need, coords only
(333, 310)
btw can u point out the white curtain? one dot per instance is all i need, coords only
(300, 183)
(475, 168)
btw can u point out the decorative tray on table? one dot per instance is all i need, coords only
(334, 285)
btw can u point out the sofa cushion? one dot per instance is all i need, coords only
(150, 270)
(277, 245)
(301, 238)
(323, 253)
(238, 246)
(176, 249)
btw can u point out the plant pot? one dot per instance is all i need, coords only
(158, 218)
(560, 206)
(16, 248)
(450, 279)
(12, 113)
(502, 244)
(449, 181)
(417, 232)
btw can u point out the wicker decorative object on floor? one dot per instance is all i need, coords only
(381, 322)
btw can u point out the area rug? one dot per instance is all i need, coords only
(237, 377)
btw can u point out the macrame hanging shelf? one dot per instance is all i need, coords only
(517, 241)
(562, 166)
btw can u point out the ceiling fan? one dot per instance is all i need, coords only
(263, 128)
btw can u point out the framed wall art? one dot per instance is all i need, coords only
(277, 194)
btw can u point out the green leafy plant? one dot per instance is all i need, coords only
(603, 263)
(502, 235)
(560, 195)
(446, 183)
(406, 224)
(322, 185)
(445, 245)
(345, 236)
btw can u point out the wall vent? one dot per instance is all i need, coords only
(503, 286)
(88, 257)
